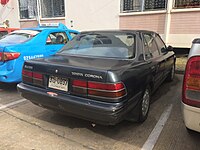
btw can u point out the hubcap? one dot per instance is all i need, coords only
(145, 102)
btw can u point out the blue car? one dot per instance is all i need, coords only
(30, 43)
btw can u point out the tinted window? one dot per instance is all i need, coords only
(102, 44)
(151, 44)
(160, 44)
(57, 38)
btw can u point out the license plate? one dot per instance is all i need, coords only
(58, 83)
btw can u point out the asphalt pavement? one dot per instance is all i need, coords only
(24, 126)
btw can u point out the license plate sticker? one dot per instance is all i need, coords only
(58, 83)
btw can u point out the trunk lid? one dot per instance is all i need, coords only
(85, 68)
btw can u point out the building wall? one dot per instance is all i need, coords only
(154, 22)
(93, 14)
(34, 23)
(185, 22)
(184, 27)
(10, 12)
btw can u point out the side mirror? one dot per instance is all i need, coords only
(170, 48)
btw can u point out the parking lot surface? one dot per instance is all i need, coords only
(26, 126)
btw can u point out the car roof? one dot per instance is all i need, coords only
(118, 31)
(195, 49)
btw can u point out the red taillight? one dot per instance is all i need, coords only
(32, 77)
(103, 86)
(27, 76)
(100, 90)
(79, 87)
(37, 76)
(79, 83)
(191, 83)
(6, 56)
(27, 73)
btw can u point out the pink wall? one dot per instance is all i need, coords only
(154, 22)
(27, 24)
(34, 23)
(185, 23)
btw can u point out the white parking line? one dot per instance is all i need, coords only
(153, 137)
(11, 104)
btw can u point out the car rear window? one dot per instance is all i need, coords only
(102, 44)
(19, 36)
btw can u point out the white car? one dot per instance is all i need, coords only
(191, 89)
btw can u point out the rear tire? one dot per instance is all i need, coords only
(171, 75)
(144, 105)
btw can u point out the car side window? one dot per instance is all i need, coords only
(151, 44)
(57, 38)
(147, 52)
(160, 44)
(73, 34)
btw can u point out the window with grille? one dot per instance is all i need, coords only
(28, 9)
(155, 4)
(142, 5)
(131, 5)
(187, 3)
(52, 8)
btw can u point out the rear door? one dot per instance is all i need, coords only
(169, 59)
(153, 54)
(55, 41)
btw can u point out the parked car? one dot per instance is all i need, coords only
(4, 31)
(191, 89)
(25, 44)
(101, 76)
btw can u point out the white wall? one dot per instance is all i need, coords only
(10, 12)
(92, 14)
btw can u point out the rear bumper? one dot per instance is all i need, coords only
(10, 76)
(95, 111)
(191, 116)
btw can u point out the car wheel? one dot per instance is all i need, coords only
(171, 75)
(144, 105)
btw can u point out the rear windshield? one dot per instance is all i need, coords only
(102, 44)
(18, 36)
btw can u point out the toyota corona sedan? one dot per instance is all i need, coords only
(101, 76)
(25, 44)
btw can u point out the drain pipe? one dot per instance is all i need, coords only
(168, 21)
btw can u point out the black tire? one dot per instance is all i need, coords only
(171, 74)
(144, 105)
(190, 131)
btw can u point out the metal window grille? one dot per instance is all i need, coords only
(27, 9)
(186, 3)
(155, 4)
(142, 5)
(131, 5)
(52, 8)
